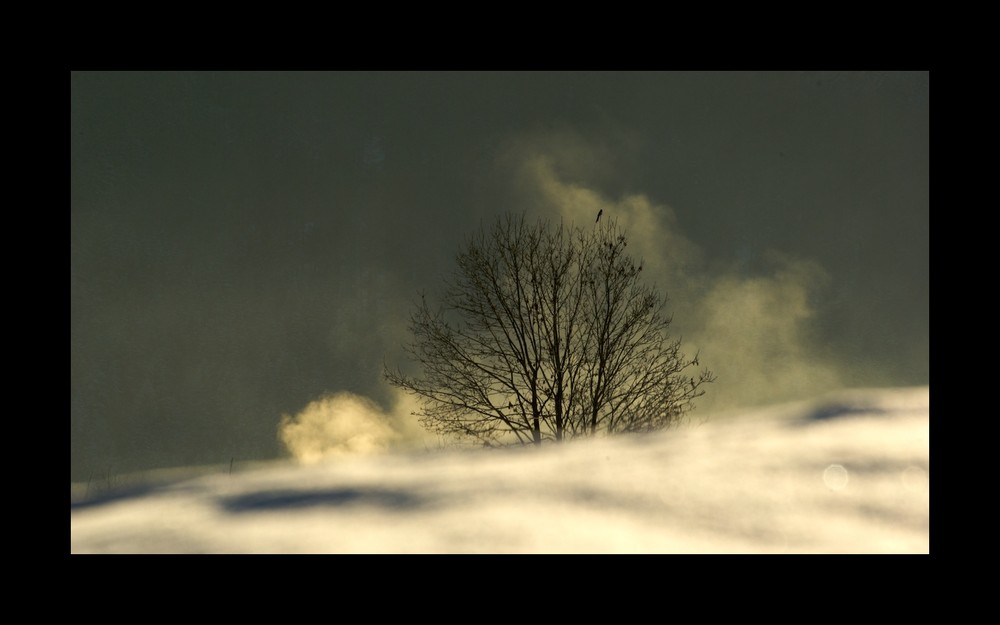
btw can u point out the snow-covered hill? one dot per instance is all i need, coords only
(844, 474)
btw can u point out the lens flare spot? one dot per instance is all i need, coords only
(835, 477)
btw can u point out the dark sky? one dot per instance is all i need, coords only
(242, 243)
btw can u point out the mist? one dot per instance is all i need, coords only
(757, 328)
(345, 424)
(245, 247)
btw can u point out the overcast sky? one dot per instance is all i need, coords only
(244, 243)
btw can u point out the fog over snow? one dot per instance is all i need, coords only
(845, 473)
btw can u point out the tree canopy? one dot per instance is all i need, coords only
(546, 332)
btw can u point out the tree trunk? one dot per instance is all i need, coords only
(536, 430)
(559, 414)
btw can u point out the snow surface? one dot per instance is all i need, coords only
(844, 474)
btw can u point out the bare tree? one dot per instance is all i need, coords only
(544, 333)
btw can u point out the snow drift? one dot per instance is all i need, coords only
(844, 474)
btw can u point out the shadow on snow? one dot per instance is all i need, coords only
(277, 500)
